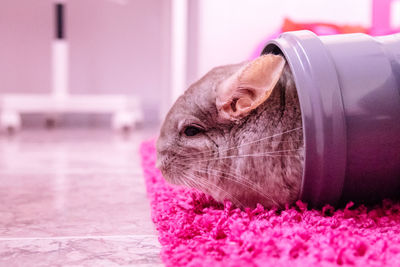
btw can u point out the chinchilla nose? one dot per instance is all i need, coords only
(161, 157)
(158, 163)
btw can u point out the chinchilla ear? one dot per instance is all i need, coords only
(249, 87)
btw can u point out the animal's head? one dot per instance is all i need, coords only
(216, 121)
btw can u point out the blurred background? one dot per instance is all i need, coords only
(139, 54)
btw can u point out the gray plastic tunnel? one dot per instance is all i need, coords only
(349, 91)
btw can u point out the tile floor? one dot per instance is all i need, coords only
(74, 198)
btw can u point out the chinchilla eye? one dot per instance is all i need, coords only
(192, 130)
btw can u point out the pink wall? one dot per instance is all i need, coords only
(25, 46)
(116, 48)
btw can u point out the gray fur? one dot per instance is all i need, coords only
(272, 179)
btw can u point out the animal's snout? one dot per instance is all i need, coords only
(159, 163)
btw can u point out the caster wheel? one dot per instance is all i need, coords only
(50, 123)
(123, 121)
(10, 121)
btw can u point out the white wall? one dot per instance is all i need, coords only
(229, 30)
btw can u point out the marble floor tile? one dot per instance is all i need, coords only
(74, 198)
(81, 251)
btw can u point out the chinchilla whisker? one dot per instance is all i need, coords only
(264, 154)
(182, 181)
(255, 141)
(260, 154)
(206, 171)
(208, 184)
(239, 180)
(211, 153)
(248, 186)
(271, 141)
(228, 175)
(262, 139)
(186, 182)
(244, 156)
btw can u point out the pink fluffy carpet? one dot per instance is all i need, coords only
(194, 230)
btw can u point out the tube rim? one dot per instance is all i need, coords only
(323, 116)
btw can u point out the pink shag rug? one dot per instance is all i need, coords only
(194, 230)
